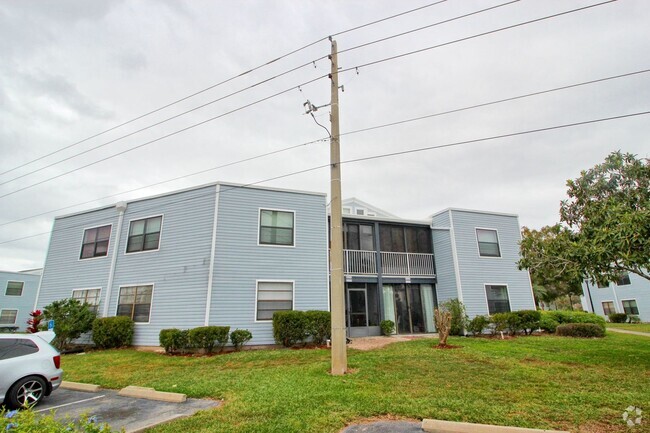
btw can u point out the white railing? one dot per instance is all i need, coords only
(397, 264)
(360, 262)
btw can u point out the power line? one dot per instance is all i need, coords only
(384, 125)
(367, 158)
(241, 74)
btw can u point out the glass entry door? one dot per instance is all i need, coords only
(357, 307)
(409, 314)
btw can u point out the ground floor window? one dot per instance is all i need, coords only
(135, 302)
(8, 317)
(630, 307)
(87, 296)
(410, 307)
(273, 296)
(608, 308)
(497, 299)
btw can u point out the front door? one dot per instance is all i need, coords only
(409, 315)
(357, 312)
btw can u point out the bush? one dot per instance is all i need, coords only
(26, 420)
(528, 320)
(548, 323)
(174, 340)
(290, 327)
(633, 318)
(575, 317)
(478, 324)
(617, 317)
(112, 332)
(207, 337)
(71, 319)
(387, 327)
(239, 337)
(500, 321)
(319, 325)
(581, 330)
(459, 317)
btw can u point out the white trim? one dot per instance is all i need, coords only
(487, 304)
(380, 219)
(117, 302)
(478, 249)
(293, 296)
(259, 226)
(454, 254)
(15, 318)
(99, 296)
(530, 280)
(617, 304)
(213, 253)
(121, 208)
(22, 289)
(353, 200)
(630, 299)
(486, 212)
(40, 280)
(607, 300)
(327, 260)
(162, 222)
(108, 247)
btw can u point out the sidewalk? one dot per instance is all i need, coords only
(625, 331)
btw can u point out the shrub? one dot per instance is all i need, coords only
(239, 337)
(289, 327)
(111, 332)
(71, 319)
(529, 320)
(207, 337)
(633, 318)
(26, 420)
(581, 330)
(478, 324)
(500, 321)
(174, 340)
(319, 325)
(459, 317)
(513, 322)
(548, 323)
(35, 321)
(387, 327)
(576, 317)
(617, 317)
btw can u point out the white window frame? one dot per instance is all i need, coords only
(15, 318)
(630, 299)
(259, 227)
(119, 292)
(487, 302)
(293, 296)
(22, 291)
(99, 296)
(627, 274)
(603, 308)
(81, 245)
(349, 210)
(478, 248)
(162, 224)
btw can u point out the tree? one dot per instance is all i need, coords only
(71, 319)
(608, 211)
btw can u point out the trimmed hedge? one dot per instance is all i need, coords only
(239, 337)
(575, 317)
(319, 325)
(528, 320)
(478, 324)
(548, 324)
(297, 327)
(207, 337)
(500, 321)
(580, 330)
(174, 340)
(617, 317)
(112, 332)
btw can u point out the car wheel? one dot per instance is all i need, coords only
(28, 391)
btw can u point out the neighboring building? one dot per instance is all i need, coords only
(219, 254)
(630, 295)
(17, 297)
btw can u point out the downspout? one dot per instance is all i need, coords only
(40, 280)
(454, 254)
(121, 207)
(591, 302)
(213, 253)
(615, 299)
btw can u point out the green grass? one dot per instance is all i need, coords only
(542, 382)
(641, 327)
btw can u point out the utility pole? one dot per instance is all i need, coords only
(339, 349)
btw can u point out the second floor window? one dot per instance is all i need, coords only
(276, 227)
(95, 242)
(624, 280)
(14, 288)
(358, 237)
(488, 243)
(144, 234)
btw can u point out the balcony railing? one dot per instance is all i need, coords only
(394, 264)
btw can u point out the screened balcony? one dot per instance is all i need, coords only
(359, 262)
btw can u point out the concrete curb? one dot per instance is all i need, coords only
(76, 386)
(152, 394)
(437, 426)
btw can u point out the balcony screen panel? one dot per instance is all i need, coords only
(366, 237)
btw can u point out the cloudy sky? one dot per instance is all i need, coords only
(70, 69)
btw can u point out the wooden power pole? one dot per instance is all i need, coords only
(339, 349)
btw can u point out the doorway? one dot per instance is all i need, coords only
(362, 309)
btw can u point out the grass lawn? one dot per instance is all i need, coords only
(542, 382)
(641, 327)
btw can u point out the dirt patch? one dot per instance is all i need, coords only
(371, 343)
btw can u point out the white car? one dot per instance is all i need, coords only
(30, 368)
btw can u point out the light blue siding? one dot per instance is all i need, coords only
(446, 287)
(638, 290)
(241, 262)
(24, 303)
(477, 271)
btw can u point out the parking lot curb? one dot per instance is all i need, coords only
(437, 426)
(76, 386)
(152, 394)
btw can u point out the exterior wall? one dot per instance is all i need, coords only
(638, 289)
(477, 271)
(447, 287)
(24, 303)
(241, 262)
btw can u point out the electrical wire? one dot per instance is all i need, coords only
(361, 159)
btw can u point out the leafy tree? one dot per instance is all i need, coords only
(71, 319)
(609, 212)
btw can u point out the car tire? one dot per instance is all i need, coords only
(28, 391)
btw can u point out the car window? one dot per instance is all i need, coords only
(15, 347)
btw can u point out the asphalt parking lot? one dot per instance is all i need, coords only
(134, 414)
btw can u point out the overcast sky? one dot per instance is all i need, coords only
(70, 69)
